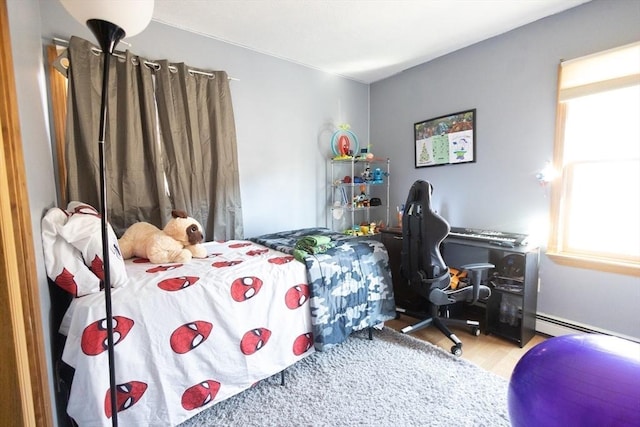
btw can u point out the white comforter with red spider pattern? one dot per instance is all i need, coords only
(187, 336)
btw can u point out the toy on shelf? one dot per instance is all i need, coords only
(366, 174)
(366, 154)
(365, 228)
(361, 200)
(344, 143)
(377, 176)
(359, 192)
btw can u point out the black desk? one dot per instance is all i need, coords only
(510, 312)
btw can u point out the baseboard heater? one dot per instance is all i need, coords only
(555, 326)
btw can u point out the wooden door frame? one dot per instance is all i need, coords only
(19, 293)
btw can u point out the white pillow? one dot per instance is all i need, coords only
(64, 263)
(83, 230)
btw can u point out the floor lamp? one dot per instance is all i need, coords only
(109, 21)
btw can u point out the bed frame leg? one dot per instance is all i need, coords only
(282, 378)
(370, 333)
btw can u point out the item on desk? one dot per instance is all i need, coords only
(400, 211)
(511, 266)
(509, 311)
(508, 285)
(489, 236)
(503, 244)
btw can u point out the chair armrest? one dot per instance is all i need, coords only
(475, 271)
(477, 266)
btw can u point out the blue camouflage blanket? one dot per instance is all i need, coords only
(350, 284)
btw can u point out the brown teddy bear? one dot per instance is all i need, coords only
(179, 241)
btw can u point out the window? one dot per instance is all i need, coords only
(596, 200)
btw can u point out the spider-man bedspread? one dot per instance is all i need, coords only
(350, 284)
(188, 336)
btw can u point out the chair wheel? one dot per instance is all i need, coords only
(475, 331)
(456, 350)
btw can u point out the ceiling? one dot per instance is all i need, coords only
(364, 40)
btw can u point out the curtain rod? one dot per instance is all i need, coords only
(155, 65)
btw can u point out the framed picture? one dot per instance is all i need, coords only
(446, 140)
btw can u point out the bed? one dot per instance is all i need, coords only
(349, 284)
(186, 335)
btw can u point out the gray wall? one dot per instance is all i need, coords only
(283, 115)
(24, 20)
(511, 80)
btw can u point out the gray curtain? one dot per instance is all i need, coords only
(199, 139)
(193, 146)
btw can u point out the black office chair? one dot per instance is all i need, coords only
(425, 271)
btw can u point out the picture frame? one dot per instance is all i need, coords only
(445, 140)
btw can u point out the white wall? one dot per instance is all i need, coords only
(511, 80)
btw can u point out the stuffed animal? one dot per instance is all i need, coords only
(179, 241)
(458, 278)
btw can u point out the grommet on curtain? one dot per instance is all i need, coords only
(61, 63)
(153, 65)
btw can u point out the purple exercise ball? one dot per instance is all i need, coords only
(577, 380)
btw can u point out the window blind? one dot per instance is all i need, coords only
(612, 69)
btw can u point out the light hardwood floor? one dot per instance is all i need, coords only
(490, 352)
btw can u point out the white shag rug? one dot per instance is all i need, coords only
(392, 380)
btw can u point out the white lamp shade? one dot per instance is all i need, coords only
(132, 16)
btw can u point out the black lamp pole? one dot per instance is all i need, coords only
(108, 36)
